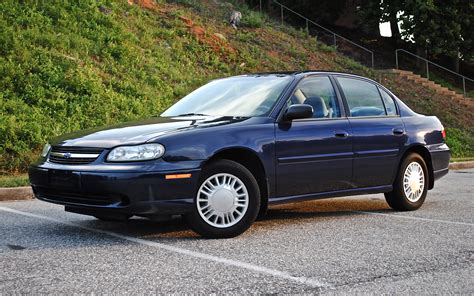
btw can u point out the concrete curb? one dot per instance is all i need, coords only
(16, 193)
(25, 193)
(461, 165)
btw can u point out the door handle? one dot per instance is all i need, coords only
(398, 131)
(341, 134)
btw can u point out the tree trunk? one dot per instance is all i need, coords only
(394, 27)
(455, 63)
(420, 64)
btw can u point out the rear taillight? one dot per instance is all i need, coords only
(443, 133)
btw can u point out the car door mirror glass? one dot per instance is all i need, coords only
(298, 111)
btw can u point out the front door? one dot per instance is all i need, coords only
(314, 155)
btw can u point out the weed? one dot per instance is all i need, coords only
(66, 65)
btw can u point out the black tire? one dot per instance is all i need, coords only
(397, 199)
(199, 225)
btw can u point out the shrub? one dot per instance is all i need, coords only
(252, 19)
(460, 142)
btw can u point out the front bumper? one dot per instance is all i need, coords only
(125, 192)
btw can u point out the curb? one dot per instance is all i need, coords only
(26, 193)
(16, 193)
(461, 165)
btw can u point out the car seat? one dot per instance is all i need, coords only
(319, 107)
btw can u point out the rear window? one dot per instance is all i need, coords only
(390, 106)
(362, 97)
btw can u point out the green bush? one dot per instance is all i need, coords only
(252, 19)
(14, 181)
(460, 142)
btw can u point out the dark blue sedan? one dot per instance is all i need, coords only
(228, 150)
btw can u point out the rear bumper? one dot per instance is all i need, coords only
(132, 193)
(440, 173)
(440, 157)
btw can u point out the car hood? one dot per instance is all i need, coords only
(137, 132)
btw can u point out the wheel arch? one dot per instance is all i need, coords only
(426, 155)
(249, 159)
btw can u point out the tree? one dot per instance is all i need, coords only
(436, 27)
(441, 27)
(371, 14)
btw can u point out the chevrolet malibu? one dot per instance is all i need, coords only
(225, 152)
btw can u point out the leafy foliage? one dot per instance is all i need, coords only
(71, 65)
(460, 142)
(14, 181)
(440, 27)
(253, 19)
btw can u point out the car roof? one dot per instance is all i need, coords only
(306, 72)
(303, 73)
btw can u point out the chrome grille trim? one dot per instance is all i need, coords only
(73, 155)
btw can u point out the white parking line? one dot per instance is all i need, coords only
(255, 268)
(414, 218)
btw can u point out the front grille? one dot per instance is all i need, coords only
(74, 155)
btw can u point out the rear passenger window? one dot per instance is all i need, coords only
(362, 97)
(389, 103)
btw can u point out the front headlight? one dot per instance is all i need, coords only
(136, 153)
(45, 151)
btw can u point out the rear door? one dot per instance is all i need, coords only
(378, 131)
(314, 154)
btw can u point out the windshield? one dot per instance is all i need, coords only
(243, 96)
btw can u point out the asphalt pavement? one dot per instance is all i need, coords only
(353, 245)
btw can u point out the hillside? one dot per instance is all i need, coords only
(66, 66)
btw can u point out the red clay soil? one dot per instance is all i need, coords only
(148, 4)
(217, 44)
(315, 62)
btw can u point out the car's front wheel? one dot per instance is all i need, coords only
(227, 200)
(411, 185)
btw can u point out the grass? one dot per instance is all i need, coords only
(461, 159)
(439, 76)
(457, 87)
(14, 181)
(72, 65)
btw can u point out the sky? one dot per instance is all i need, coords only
(385, 30)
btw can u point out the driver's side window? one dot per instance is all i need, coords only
(318, 92)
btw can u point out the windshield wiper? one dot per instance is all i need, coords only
(191, 114)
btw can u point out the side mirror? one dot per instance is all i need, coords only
(298, 111)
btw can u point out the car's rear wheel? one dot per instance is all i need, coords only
(227, 200)
(411, 185)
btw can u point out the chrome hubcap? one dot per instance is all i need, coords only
(413, 181)
(222, 200)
